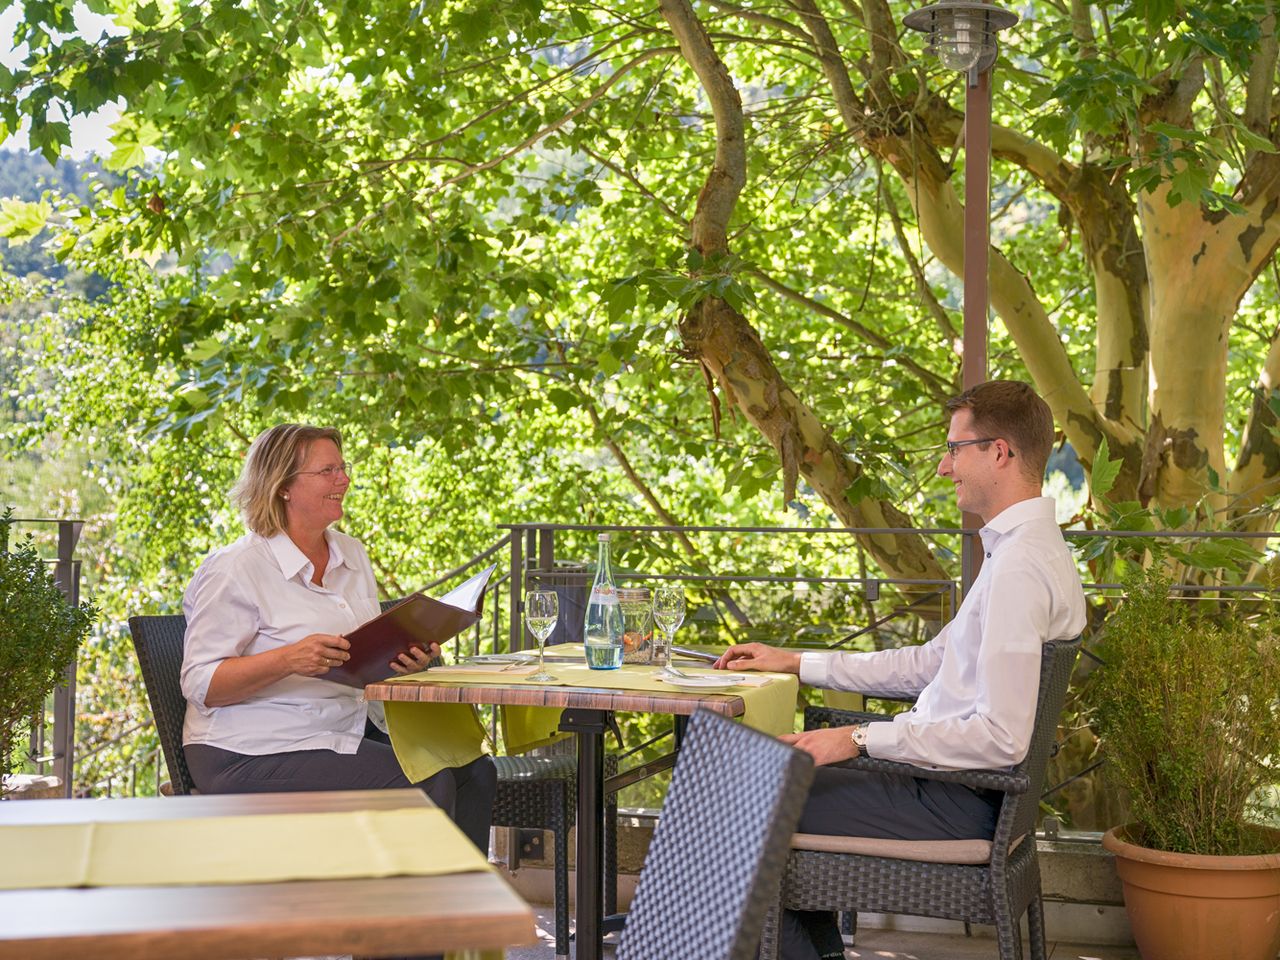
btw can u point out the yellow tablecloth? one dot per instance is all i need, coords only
(261, 848)
(430, 736)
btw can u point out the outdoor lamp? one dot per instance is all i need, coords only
(962, 34)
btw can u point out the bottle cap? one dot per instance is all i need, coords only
(604, 536)
(633, 594)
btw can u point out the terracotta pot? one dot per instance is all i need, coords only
(1184, 906)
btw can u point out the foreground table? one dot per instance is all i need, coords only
(389, 916)
(588, 713)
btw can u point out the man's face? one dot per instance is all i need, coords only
(971, 469)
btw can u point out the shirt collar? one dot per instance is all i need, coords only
(293, 561)
(1015, 515)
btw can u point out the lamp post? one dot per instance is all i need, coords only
(962, 35)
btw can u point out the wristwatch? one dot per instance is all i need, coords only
(858, 734)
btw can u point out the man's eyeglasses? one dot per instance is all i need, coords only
(328, 473)
(953, 446)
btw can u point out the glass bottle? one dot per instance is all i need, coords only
(637, 624)
(604, 627)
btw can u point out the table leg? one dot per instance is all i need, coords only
(589, 727)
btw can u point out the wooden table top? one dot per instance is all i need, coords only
(525, 694)
(366, 917)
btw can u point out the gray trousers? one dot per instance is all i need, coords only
(854, 803)
(464, 793)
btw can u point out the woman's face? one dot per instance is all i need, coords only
(316, 489)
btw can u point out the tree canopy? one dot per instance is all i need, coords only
(708, 248)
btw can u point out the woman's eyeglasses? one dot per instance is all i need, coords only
(328, 473)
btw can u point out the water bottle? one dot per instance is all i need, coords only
(604, 626)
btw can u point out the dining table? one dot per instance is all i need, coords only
(587, 701)
(206, 877)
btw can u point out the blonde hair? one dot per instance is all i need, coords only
(273, 458)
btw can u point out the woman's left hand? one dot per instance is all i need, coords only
(416, 660)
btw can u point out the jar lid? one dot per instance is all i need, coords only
(633, 594)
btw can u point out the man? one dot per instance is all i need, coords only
(975, 682)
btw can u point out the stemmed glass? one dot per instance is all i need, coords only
(541, 608)
(668, 614)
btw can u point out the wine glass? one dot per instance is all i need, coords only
(668, 614)
(541, 608)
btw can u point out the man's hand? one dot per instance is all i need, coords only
(315, 655)
(759, 656)
(416, 660)
(831, 745)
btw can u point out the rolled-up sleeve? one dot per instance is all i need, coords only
(221, 623)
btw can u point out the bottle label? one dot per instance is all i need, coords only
(604, 596)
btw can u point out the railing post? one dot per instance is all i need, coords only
(67, 576)
(515, 636)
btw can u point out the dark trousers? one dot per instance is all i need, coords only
(853, 803)
(464, 793)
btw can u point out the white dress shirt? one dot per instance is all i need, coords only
(976, 681)
(256, 595)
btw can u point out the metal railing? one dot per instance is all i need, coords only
(533, 555)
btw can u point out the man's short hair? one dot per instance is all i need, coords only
(1012, 411)
(273, 459)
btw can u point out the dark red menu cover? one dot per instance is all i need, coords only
(417, 620)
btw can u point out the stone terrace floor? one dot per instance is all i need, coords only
(875, 944)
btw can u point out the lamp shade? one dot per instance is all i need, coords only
(961, 34)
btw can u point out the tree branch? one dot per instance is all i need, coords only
(934, 385)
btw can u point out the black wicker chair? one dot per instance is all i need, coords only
(713, 868)
(534, 792)
(992, 882)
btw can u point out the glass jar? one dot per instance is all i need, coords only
(637, 624)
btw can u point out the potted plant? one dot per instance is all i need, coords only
(1186, 706)
(40, 631)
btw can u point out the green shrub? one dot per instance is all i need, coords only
(40, 631)
(1186, 706)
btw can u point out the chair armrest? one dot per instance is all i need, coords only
(815, 718)
(1001, 780)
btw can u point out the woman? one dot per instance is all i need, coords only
(265, 618)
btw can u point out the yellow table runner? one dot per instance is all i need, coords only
(258, 848)
(419, 729)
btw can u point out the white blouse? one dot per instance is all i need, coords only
(256, 595)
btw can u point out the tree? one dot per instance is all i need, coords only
(499, 208)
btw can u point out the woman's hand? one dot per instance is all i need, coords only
(315, 655)
(759, 656)
(416, 660)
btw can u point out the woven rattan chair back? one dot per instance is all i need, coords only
(1018, 812)
(717, 857)
(158, 642)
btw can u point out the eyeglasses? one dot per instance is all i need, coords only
(328, 473)
(953, 446)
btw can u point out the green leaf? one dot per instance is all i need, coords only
(21, 221)
(1105, 470)
(563, 400)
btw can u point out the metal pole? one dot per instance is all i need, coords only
(66, 575)
(977, 241)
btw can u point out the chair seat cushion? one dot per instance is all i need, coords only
(929, 851)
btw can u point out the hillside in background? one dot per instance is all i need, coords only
(26, 176)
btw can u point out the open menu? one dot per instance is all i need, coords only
(415, 621)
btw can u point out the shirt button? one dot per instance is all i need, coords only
(342, 605)
(988, 556)
(913, 709)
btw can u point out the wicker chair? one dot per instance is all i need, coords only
(978, 881)
(714, 865)
(535, 792)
